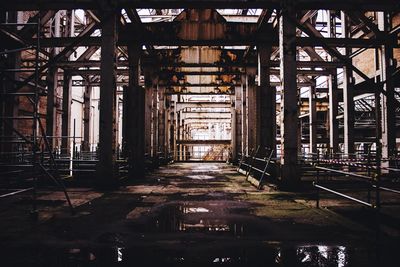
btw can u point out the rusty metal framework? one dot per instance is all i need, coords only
(23, 149)
(290, 76)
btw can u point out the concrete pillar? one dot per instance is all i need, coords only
(154, 121)
(148, 111)
(289, 128)
(170, 128)
(175, 130)
(161, 121)
(181, 124)
(234, 125)
(86, 118)
(312, 104)
(348, 95)
(125, 115)
(267, 100)
(107, 149)
(245, 146)
(238, 120)
(135, 120)
(388, 116)
(253, 121)
(333, 112)
(66, 114)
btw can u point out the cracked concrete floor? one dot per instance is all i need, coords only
(186, 214)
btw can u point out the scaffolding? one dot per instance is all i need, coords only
(35, 152)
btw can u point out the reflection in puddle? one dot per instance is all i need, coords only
(260, 254)
(201, 177)
(195, 210)
(314, 256)
(191, 219)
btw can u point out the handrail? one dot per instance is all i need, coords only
(343, 172)
(344, 195)
(250, 165)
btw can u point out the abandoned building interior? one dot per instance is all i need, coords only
(198, 133)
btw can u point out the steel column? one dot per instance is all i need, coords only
(86, 118)
(289, 108)
(333, 112)
(66, 114)
(388, 114)
(313, 119)
(267, 111)
(252, 112)
(245, 146)
(348, 95)
(106, 164)
(238, 111)
(148, 111)
(135, 124)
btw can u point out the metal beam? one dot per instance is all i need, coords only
(203, 142)
(156, 4)
(183, 105)
(203, 115)
(125, 39)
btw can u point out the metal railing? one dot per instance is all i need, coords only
(259, 167)
(362, 167)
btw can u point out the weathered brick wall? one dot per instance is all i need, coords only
(396, 22)
(366, 60)
(366, 63)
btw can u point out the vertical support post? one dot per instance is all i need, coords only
(52, 81)
(178, 133)
(289, 128)
(313, 119)
(135, 124)
(348, 95)
(106, 162)
(9, 104)
(252, 115)
(238, 118)
(169, 124)
(388, 100)
(162, 121)
(333, 92)
(51, 110)
(174, 131)
(155, 123)
(234, 123)
(148, 111)
(66, 114)
(267, 112)
(245, 146)
(333, 112)
(125, 122)
(86, 118)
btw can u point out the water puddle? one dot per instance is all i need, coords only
(210, 218)
(201, 177)
(259, 254)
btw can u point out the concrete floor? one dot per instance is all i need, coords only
(190, 214)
